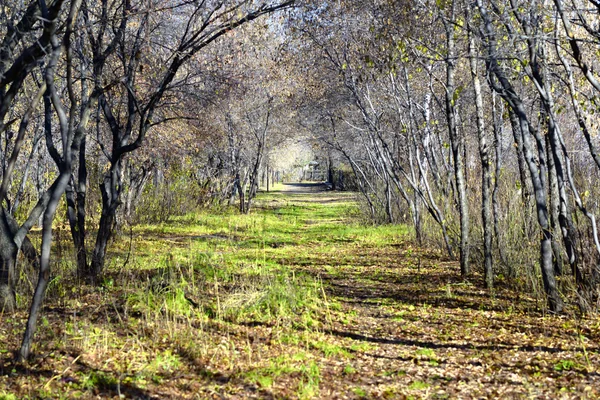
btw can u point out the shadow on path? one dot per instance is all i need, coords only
(304, 187)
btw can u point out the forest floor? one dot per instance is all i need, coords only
(296, 300)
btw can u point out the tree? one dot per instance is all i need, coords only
(55, 39)
(486, 208)
(198, 26)
(15, 68)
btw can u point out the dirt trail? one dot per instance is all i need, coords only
(304, 188)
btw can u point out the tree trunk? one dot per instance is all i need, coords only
(456, 142)
(75, 194)
(241, 193)
(486, 210)
(330, 172)
(8, 257)
(34, 149)
(388, 202)
(524, 183)
(110, 189)
(267, 173)
(497, 120)
(255, 173)
(556, 158)
(44, 271)
(554, 205)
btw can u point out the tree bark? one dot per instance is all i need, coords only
(110, 189)
(75, 195)
(554, 205)
(8, 257)
(456, 141)
(497, 121)
(486, 210)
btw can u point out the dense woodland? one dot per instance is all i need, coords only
(471, 123)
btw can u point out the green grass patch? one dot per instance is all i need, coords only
(331, 350)
(418, 385)
(565, 365)
(295, 364)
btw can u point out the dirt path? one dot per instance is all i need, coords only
(303, 188)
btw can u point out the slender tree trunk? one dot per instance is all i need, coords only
(75, 195)
(110, 189)
(241, 193)
(71, 140)
(581, 121)
(330, 172)
(486, 210)
(388, 202)
(418, 177)
(8, 257)
(497, 120)
(44, 271)
(456, 142)
(556, 157)
(255, 172)
(253, 187)
(267, 173)
(524, 183)
(34, 149)
(554, 205)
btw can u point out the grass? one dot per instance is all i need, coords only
(298, 299)
(199, 272)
